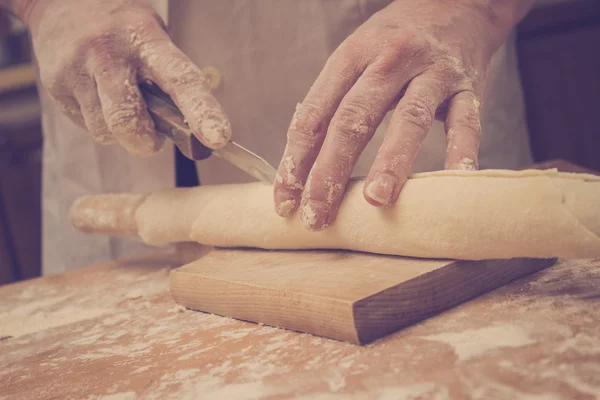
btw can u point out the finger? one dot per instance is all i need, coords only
(91, 112)
(125, 112)
(62, 94)
(174, 73)
(410, 123)
(69, 106)
(309, 125)
(463, 130)
(353, 125)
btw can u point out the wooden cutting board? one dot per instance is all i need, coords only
(342, 295)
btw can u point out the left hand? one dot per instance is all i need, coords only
(429, 56)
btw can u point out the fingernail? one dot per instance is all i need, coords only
(381, 188)
(315, 215)
(286, 207)
(285, 200)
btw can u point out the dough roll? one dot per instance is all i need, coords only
(467, 215)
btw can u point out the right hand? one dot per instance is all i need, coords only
(93, 53)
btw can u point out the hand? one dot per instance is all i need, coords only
(93, 53)
(431, 57)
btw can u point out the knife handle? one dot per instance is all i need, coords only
(169, 121)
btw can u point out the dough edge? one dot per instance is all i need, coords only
(505, 173)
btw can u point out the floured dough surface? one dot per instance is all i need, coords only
(451, 214)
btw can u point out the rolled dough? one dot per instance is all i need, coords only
(459, 215)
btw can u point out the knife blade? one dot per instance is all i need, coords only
(170, 122)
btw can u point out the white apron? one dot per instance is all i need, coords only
(269, 53)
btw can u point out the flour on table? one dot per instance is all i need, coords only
(134, 294)
(177, 309)
(475, 342)
(116, 396)
(14, 324)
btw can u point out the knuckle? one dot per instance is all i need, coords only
(104, 51)
(170, 69)
(198, 105)
(402, 46)
(471, 119)
(123, 117)
(325, 182)
(473, 129)
(451, 70)
(193, 77)
(183, 73)
(100, 43)
(351, 47)
(133, 129)
(468, 120)
(355, 120)
(384, 67)
(197, 102)
(100, 133)
(406, 51)
(307, 125)
(416, 111)
(93, 111)
(346, 60)
(406, 45)
(462, 135)
(152, 51)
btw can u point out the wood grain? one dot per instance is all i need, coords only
(346, 296)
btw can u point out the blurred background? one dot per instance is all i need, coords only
(20, 155)
(559, 60)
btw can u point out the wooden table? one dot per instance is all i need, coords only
(91, 334)
(113, 332)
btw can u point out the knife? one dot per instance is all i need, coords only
(170, 122)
